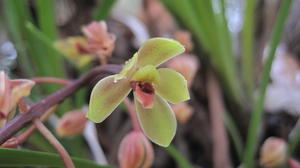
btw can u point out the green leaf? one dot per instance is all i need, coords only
(172, 86)
(257, 115)
(46, 18)
(178, 157)
(158, 50)
(158, 123)
(104, 9)
(22, 158)
(106, 96)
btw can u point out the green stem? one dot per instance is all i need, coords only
(178, 157)
(256, 119)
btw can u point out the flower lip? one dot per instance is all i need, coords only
(144, 93)
(146, 87)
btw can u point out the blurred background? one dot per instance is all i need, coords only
(228, 43)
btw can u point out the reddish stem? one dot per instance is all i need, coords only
(51, 138)
(219, 136)
(58, 81)
(132, 113)
(41, 107)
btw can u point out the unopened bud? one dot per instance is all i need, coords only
(185, 64)
(135, 151)
(184, 38)
(72, 123)
(273, 152)
(100, 41)
(293, 163)
(183, 112)
(11, 143)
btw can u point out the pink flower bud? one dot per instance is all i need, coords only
(293, 163)
(184, 38)
(72, 123)
(183, 112)
(135, 151)
(185, 64)
(273, 152)
(99, 40)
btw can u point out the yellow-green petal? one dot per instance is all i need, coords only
(158, 123)
(129, 67)
(172, 86)
(106, 96)
(158, 50)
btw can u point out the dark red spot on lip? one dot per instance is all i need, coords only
(144, 93)
(2, 116)
(81, 49)
(145, 87)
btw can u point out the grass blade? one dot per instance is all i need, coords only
(46, 18)
(248, 54)
(104, 8)
(21, 158)
(178, 157)
(16, 14)
(256, 119)
(234, 133)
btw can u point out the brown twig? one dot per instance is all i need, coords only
(219, 136)
(38, 109)
(58, 81)
(51, 138)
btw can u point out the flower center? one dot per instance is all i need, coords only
(144, 93)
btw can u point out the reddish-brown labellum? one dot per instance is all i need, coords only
(144, 93)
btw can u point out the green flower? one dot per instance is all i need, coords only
(152, 89)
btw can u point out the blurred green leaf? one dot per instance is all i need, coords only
(16, 15)
(248, 42)
(211, 33)
(256, 118)
(234, 133)
(21, 158)
(178, 157)
(46, 18)
(104, 8)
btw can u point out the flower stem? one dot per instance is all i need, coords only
(132, 113)
(52, 80)
(50, 137)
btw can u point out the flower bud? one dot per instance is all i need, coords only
(72, 123)
(185, 64)
(273, 152)
(183, 112)
(184, 38)
(99, 40)
(293, 163)
(135, 151)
